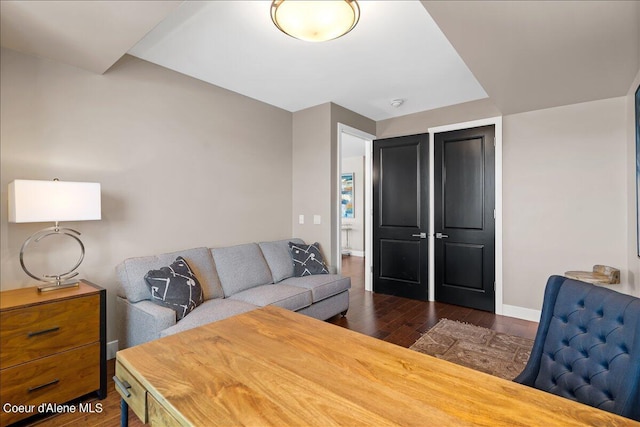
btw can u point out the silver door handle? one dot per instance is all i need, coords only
(441, 236)
(421, 235)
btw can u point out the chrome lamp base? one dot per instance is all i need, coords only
(56, 286)
(54, 281)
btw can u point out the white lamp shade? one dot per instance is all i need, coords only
(51, 201)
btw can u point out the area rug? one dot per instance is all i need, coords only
(485, 350)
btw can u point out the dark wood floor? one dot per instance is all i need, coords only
(397, 320)
(402, 321)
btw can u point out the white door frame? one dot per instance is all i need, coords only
(497, 121)
(368, 200)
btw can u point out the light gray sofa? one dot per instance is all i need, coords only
(234, 280)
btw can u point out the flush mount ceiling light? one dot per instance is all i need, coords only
(315, 21)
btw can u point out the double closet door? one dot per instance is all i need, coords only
(463, 211)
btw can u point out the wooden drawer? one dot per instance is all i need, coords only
(137, 400)
(58, 378)
(41, 330)
(158, 415)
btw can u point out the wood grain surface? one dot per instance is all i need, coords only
(57, 378)
(137, 398)
(40, 330)
(274, 367)
(51, 347)
(158, 415)
(30, 296)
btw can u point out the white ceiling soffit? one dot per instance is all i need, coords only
(395, 51)
(91, 35)
(530, 55)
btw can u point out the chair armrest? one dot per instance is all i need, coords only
(141, 321)
(530, 373)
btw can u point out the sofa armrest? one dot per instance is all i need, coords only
(141, 321)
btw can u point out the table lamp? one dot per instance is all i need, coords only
(53, 201)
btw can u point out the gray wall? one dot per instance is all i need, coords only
(182, 163)
(180, 168)
(311, 168)
(564, 196)
(419, 122)
(315, 172)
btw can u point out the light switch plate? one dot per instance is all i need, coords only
(300, 219)
(316, 219)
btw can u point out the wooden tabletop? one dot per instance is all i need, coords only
(274, 367)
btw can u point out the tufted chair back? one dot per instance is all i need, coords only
(587, 347)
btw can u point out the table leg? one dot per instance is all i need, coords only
(124, 413)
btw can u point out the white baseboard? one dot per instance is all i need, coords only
(355, 253)
(112, 349)
(521, 313)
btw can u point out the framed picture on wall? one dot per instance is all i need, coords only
(346, 198)
(638, 169)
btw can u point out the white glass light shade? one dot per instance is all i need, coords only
(52, 201)
(315, 21)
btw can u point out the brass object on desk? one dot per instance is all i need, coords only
(601, 275)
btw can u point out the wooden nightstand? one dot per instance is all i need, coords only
(52, 347)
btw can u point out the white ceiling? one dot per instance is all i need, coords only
(525, 54)
(235, 45)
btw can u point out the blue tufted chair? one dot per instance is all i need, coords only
(587, 347)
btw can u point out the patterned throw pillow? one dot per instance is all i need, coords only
(175, 287)
(307, 259)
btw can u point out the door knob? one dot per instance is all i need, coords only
(441, 236)
(421, 235)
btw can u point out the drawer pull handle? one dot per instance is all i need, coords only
(44, 331)
(123, 386)
(38, 387)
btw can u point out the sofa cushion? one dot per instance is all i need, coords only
(307, 259)
(328, 307)
(175, 287)
(209, 311)
(131, 273)
(321, 285)
(289, 297)
(241, 267)
(278, 258)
